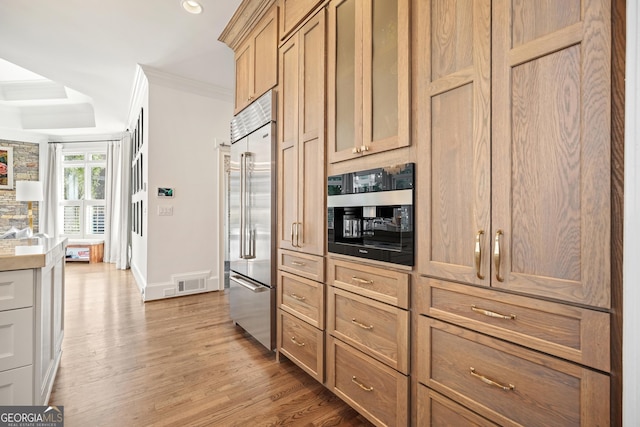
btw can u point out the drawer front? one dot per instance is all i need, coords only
(577, 334)
(436, 410)
(388, 286)
(305, 265)
(16, 338)
(506, 383)
(377, 329)
(16, 387)
(372, 388)
(16, 289)
(301, 297)
(301, 343)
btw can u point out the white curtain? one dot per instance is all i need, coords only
(118, 202)
(50, 212)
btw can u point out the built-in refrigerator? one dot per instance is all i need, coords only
(252, 221)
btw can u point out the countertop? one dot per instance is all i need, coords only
(22, 254)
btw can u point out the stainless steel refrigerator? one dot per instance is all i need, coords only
(252, 222)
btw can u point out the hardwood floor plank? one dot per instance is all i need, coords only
(175, 362)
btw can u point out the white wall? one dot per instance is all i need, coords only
(631, 272)
(183, 129)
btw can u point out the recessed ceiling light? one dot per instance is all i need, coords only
(192, 6)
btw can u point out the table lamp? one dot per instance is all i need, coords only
(29, 191)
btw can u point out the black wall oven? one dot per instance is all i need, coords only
(370, 214)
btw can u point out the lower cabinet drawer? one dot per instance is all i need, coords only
(16, 387)
(506, 383)
(302, 343)
(377, 329)
(436, 410)
(16, 338)
(301, 297)
(16, 289)
(301, 264)
(372, 388)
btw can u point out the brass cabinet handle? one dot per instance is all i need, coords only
(298, 263)
(486, 380)
(362, 325)
(355, 150)
(478, 255)
(293, 242)
(359, 384)
(298, 224)
(493, 313)
(362, 281)
(364, 148)
(496, 256)
(297, 297)
(299, 344)
(295, 233)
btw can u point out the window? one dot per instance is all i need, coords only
(83, 192)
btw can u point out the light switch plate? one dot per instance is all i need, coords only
(165, 210)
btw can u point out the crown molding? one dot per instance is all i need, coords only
(243, 20)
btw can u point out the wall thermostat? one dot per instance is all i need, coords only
(165, 192)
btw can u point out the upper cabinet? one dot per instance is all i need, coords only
(292, 13)
(515, 188)
(368, 77)
(256, 61)
(301, 141)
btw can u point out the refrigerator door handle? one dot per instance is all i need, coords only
(242, 206)
(248, 233)
(247, 284)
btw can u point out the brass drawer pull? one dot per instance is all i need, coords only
(486, 380)
(362, 325)
(297, 297)
(493, 313)
(298, 263)
(299, 344)
(478, 255)
(362, 281)
(496, 256)
(359, 384)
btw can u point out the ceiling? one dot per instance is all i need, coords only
(68, 68)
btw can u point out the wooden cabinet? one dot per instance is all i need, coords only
(516, 185)
(375, 390)
(506, 383)
(302, 298)
(368, 339)
(301, 142)
(256, 61)
(573, 333)
(379, 330)
(436, 410)
(292, 12)
(368, 77)
(514, 195)
(301, 343)
(309, 266)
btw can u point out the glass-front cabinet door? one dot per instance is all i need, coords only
(368, 82)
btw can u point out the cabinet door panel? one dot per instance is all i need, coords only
(312, 78)
(244, 87)
(288, 197)
(311, 199)
(455, 191)
(265, 74)
(551, 150)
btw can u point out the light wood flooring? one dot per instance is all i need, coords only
(175, 362)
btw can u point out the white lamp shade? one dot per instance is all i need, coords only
(29, 191)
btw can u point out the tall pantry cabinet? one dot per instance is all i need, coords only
(514, 211)
(301, 197)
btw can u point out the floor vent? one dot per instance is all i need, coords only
(190, 285)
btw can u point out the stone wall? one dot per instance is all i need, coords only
(26, 167)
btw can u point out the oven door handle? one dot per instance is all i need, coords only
(248, 285)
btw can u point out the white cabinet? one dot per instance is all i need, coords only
(31, 329)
